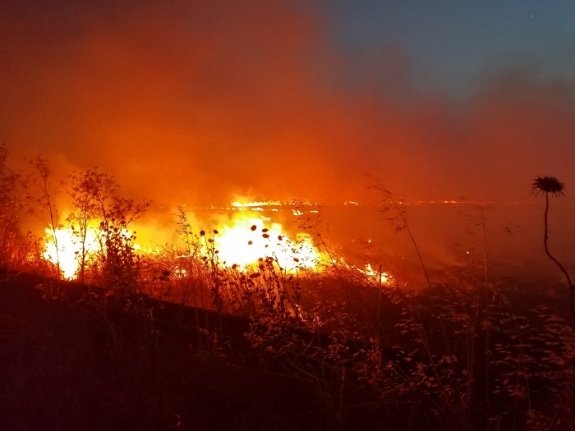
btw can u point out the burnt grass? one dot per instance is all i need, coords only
(73, 357)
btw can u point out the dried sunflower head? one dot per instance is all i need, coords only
(548, 185)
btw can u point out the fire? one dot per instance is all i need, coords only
(240, 204)
(67, 253)
(64, 247)
(247, 240)
(242, 241)
(377, 275)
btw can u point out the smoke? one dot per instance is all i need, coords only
(197, 102)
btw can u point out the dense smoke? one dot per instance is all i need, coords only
(197, 102)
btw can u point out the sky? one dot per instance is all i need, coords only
(454, 44)
(199, 102)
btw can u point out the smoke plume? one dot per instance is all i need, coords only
(197, 102)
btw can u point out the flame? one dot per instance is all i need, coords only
(243, 204)
(69, 250)
(376, 274)
(242, 241)
(246, 240)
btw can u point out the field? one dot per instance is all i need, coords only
(458, 323)
(453, 356)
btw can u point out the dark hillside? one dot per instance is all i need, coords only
(450, 357)
(73, 364)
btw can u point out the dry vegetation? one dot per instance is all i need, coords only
(173, 340)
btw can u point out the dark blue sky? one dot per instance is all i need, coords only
(454, 44)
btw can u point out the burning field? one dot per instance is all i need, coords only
(286, 215)
(267, 293)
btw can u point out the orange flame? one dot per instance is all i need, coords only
(247, 240)
(63, 247)
(68, 251)
(242, 241)
(376, 275)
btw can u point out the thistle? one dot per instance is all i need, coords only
(548, 185)
(552, 186)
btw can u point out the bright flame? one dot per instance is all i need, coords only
(243, 241)
(68, 253)
(69, 250)
(247, 240)
(238, 204)
(378, 275)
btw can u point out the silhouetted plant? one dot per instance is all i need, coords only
(12, 195)
(191, 276)
(43, 201)
(96, 197)
(400, 211)
(552, 186)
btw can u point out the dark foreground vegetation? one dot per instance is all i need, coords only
(176, 340)
(75, 357)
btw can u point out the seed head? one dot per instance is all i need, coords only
(548, 185)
